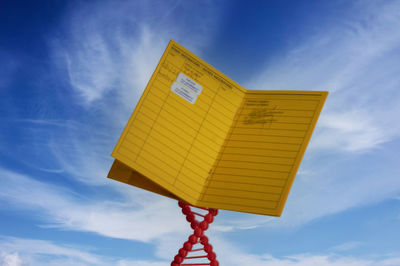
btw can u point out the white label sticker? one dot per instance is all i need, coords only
(190, 83)
(184, 92)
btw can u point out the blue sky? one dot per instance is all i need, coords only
(71, 74)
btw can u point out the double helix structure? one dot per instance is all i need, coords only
(198, 237)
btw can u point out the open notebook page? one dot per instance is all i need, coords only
(262, 152)
(175, 134)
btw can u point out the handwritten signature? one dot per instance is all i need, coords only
(263, 116)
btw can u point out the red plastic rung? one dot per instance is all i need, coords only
(196, 257)
(199, 214)
(195, 264)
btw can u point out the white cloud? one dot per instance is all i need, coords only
(352, 130)
(115, 45)
(41, 252)
(10, 259)
(97, 78)
(96, 67)
(142, 217)
(347, 246)
(82, 150)
(73, 149)
(22, 251)
(357, 61)
(227, 254)
(141, 263)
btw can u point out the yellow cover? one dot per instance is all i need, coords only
(198, 136)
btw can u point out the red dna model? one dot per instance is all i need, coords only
(197, 237)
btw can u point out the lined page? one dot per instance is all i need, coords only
(179, 125)
(263, 150)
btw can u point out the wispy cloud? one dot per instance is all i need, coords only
(19, 251)
(22, 251)
(357, 61)
(120, 43)
(10, 259)
(347, 246)
(237, 254)
(76, 149)
(142, 217)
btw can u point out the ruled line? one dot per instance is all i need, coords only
(279, 115)
(266, 135)
(297, 130)
(252, 169)
(276, 122)
(259, 155)
(271, 142)
(254, 148)
(243, 190)
(235, 205)
(224, 160)
(250, 134)
(271, 97)
(241, 198)
(276, 110)
(244, 183)
(247, 198)
(252, 92)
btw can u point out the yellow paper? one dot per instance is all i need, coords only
(123, 173)
(198, 136)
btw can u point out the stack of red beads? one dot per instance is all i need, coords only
(197, 237)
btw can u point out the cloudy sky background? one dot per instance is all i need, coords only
(71, 74)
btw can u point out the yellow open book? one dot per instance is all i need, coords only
(198, 136)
